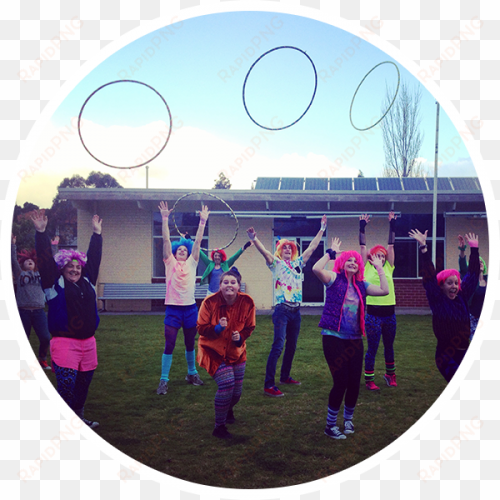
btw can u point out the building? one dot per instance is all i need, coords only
(283, 207)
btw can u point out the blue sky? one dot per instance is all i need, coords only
(199, 67)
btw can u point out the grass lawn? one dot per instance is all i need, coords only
(277, 441)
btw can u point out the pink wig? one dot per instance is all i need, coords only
(344, 257)
(64, 257)
(376, 249)
(24, 255)
(223, 256)
(281, 244)
(444, 275)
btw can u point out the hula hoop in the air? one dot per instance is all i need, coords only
(112, 83)
(390, 105)
(312, 98)
(217, 198)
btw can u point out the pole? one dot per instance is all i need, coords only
(434, 197)
(147, 176)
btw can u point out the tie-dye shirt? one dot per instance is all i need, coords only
(287, 279)
(180, 278)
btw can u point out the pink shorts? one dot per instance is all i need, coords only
(76, 354)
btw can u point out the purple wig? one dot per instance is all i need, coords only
(64, 257)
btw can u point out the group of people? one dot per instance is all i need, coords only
(360, 301)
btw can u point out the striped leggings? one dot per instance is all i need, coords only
(229, 380)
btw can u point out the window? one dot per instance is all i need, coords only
(187, 223)
(406, 248)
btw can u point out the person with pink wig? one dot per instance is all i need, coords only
(69, 279)
(343, 326)
(286, 266)
(380, 311)
(448, 298)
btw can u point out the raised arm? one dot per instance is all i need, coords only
(94, 253)
(167, 245)
(204, 213)
(471, 279)
(46, 264)
(252, 235)
(363, 221)
(392, 238)
(319, 270)
(315, 242)
(462, 261)
(16, 268)
(383, 289)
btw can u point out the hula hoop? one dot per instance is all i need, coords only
(312, 99)
(124, 81)
(390, 106)
(217, 198)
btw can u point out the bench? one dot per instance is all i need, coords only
(147, 291)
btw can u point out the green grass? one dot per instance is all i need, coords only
(277, 442)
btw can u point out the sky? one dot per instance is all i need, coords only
(198, 121)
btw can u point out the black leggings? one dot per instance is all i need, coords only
(345, 360)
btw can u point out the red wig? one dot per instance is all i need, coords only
(376, 249)
(281, 244)
(24, 255)
(223, 256)
(444, 275)
(344, 257)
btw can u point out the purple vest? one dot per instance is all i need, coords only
(335, 297)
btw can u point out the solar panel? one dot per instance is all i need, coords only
(444, 184)
(296, 183)
(316, 184)
(389, 184)
(365, 184)
(340, 184)
(464, 183)
(267, 183)
(414, 184)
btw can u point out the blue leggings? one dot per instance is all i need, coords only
(376, 327)
(73, 386)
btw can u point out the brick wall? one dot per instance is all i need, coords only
(410, 293)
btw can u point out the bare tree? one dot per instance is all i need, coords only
(401, 133)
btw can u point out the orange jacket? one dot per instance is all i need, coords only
(215, 349)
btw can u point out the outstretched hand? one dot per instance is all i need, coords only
(165, 212)
(336, 244)
(55, 240)
(417, 235)
(375, 261)
(461, 241)
(392, 215)
(472, 240)
(39, 220)
(96, 224)
(251, 233)
(204, 213)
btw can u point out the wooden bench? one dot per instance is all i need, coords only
(147, 291)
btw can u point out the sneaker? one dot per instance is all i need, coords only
(348, 427)
(230, 417)
(370, 385)
(90, 423)
(334, 432)
(194, 379)
(290, 380)
(221, 432)
(390, 380)
(162, 387)
(44, 364)
(274, 392)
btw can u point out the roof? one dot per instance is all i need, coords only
(306, 195)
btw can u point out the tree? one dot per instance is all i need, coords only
(22, 226)
(401, 133)
(222, 182)
(100, 180)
